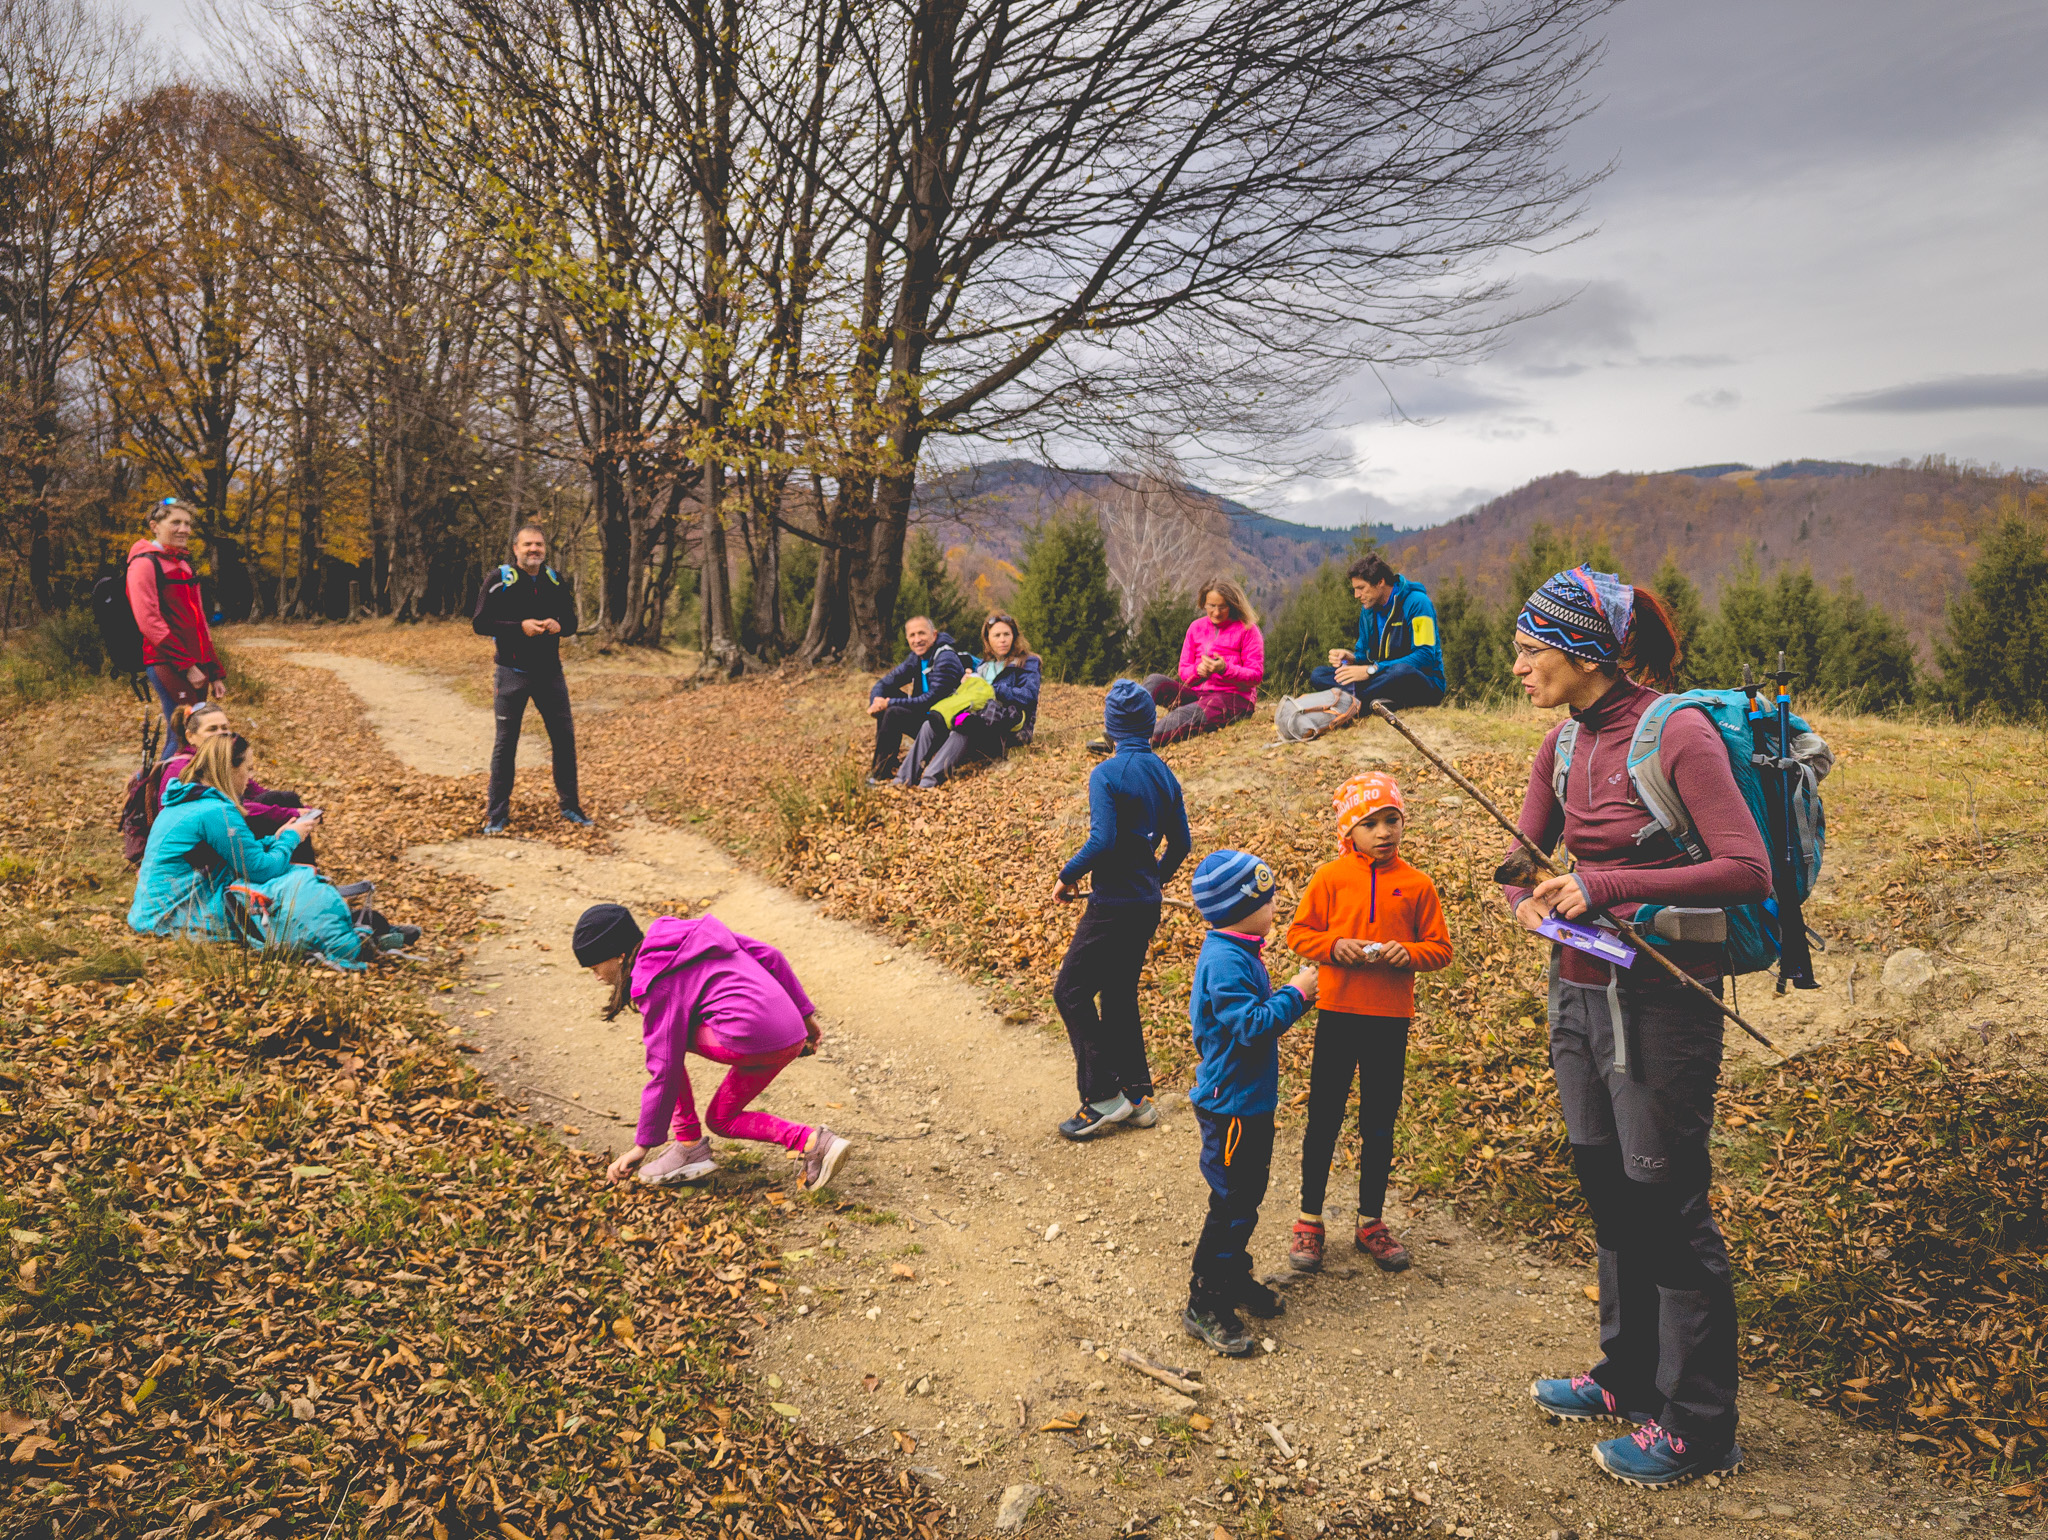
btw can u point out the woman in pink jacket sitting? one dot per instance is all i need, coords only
(701, 989)
(1222, 660)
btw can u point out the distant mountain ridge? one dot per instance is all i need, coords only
(1904, 535)
(989, 509)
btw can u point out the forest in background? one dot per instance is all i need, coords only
(704, 288)
(1905, 534)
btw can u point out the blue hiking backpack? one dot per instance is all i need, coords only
(1752, 929)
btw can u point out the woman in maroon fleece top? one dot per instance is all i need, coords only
(1639, 1133)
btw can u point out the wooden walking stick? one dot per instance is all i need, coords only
(1537, 861)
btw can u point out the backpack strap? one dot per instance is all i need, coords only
(1652, 782)
(507, 575)
(1561, 769)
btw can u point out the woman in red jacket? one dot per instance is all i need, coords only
(1637, 1058)
(163, 591)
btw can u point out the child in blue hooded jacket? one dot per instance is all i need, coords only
(1237, 1016)
(1134, 803)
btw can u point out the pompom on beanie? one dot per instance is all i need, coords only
(1230, 884)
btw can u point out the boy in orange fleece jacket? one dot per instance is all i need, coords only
(1373, 922)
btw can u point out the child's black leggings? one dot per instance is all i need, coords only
(1375, 1048)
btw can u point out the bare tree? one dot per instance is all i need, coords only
(1105, 216)
(1159, 533)
(66, 226)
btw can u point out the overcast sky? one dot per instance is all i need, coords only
(1822, 238)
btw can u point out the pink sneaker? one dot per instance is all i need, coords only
(679, 1163)
(821, 1160)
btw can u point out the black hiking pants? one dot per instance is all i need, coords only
(550, 695)
(1103, 961)
(1639, 1142)
(1374, 1050)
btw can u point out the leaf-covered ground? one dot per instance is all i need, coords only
(279, 1264)
(1884, 1206)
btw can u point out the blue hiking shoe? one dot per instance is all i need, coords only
(1581, 1399)
(1144, 1113)
(496, 825)
(577, 816)
(1654, 1458)
(1088, 1123)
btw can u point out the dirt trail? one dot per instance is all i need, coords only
(984, 1272)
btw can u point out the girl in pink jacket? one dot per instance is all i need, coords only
(1222, 660)
(702, 989)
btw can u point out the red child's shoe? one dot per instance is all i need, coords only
(1305, 1255)
(1377, 1242)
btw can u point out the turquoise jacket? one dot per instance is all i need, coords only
(199, 844)
(1402, 637)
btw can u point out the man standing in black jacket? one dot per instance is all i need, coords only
(526, 610)
(900, 698)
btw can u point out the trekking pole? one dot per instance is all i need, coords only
(1543, 862)
(1795, 956)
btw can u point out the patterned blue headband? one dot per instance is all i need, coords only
(1585, 613)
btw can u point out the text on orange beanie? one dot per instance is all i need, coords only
(1362, 796)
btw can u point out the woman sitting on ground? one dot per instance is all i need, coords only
(201, 844)
(266, 809)
(988, 732)
(1222, 660)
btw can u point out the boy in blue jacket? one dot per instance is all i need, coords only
(1237, 1018)
(1133, 803)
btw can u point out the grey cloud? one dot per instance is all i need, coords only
(1576, 325)
(1715, 400)
(1344, 507)
(1699, 98)
(1955, 393)
(1404, 394)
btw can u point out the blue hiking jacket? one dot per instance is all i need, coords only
(1238, 1017)
(199, 844)
(1133, 802)
(1403, 636)
(930, 678)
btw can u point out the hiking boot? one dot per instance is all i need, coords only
(1305, 1253)
(1144, 1113)
(398, 937)
(1255, 1299)
(1582, 1399)
(1099, 746)
(1655, 1458)
(821, 1160)
(577, 816)
(1377, 1242)
(497, 825)
(1218, 1326)
(679, 1163)
(1088, 1123)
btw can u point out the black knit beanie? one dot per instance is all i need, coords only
(606, 930)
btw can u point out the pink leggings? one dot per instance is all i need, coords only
(728, 1113)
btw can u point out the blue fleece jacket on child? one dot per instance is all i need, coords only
(1238, 1017)
(1133, 801)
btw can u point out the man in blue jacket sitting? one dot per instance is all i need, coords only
(1397, 658)
(900, 698)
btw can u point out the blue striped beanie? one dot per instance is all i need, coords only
(1230, 884)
